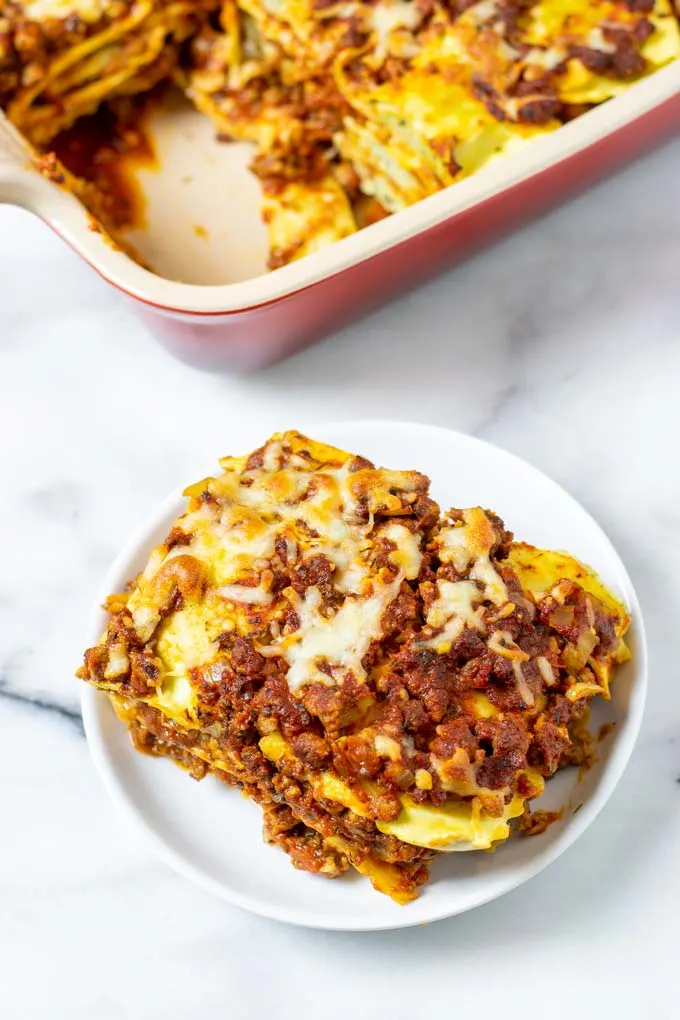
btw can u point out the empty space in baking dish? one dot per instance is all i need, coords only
(202, 220)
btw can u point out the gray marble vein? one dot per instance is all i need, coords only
(39, 704)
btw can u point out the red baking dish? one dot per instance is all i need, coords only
(211, 302)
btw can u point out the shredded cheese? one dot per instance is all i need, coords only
(385, 17)
(546, 670)
(340, 641)
(454, 610)
(522, 685)
(88, 10)
(467, 546)
(243, 593)
(407, 555)
(483, 11)
(471, 542)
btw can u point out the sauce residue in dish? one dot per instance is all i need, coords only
(107, 149)
(535, 823)
(605, 730)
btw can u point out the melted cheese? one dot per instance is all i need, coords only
(455, 609)
(546, 58)
(555, 24)
(467, 546)
(546, 670)
(88, 10)
(337, 641)
(307, 506)
(385, 17)
(187, 638)
(341, 641)
(595, 40)
(471, 542)
(118, 663)
(229, 544)
(483, 11)
(387, 747)
(501, 642)
(244, 593)
(522, 685)
(407, 556)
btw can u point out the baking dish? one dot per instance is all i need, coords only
(259, 317)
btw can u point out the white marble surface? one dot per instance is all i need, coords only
(562, 344)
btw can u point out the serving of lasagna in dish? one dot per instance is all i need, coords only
(356, 109)
(389, 682)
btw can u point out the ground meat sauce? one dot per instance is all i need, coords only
(409, 722)
(27, 47)
(106, 150)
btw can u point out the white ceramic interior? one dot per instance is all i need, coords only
(212, 835)
(230, 262)
(204, 241)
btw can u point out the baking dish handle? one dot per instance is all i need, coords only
(16, 166)
(22, 184)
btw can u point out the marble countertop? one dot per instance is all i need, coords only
(561, 344)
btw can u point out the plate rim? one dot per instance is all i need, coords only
(92, 699)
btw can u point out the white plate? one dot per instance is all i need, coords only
(212, 835)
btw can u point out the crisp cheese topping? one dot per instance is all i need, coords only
(295, 509)
(338, 642)
(386, 17)
(456, 608)
(468, 547)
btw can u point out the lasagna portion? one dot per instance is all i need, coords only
(388, 682)
(357, 108)
(373, 105)
(60, 59)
